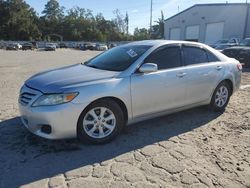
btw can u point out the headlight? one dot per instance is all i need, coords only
(54, 99)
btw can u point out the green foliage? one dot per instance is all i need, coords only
(157, 31)
(19, 21)
(141, 34)
(53, 11)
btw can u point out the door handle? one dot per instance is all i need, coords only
(181, 74)
(218, 68)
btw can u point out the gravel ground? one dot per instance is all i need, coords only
(194, 148)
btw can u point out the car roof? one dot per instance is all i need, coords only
(157, 43)
(162, 42)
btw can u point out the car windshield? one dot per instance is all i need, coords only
(119, 58)
(245, 42)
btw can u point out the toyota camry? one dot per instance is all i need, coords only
(95, 99)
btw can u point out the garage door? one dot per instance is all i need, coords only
(175, 34)
(214, 32)
(192, 33)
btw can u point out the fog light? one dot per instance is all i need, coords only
(46, 129)
(25, 121)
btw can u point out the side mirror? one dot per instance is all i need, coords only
(148, 68)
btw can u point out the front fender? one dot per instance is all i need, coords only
(114, 87)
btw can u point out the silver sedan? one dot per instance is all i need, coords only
(96, 99)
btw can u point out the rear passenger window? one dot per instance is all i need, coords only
(212, 57)
(166, 58)
(194, 55)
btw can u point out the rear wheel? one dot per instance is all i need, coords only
(221, 97)
(100, 122)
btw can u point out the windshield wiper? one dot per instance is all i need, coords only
(92, 66)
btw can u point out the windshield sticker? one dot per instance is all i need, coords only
(132, 53)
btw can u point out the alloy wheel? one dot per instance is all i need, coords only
(221, 96)
(99, 122)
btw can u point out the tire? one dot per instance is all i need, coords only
(104, 127)
(221, 96)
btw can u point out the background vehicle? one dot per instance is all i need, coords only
(81, 46)
(241, 52)
(12, 46)
(112, 45)
(89, 46)
(63, 45)
(50, 47)
(28, 46)
(221, 47)
(101, 47)
(19, 46)
(57, 45)
(126, 84)
(225, 43)
(3, 45)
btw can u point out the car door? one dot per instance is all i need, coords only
(163, 89)
(204, 71)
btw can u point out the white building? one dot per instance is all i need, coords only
(208, 23)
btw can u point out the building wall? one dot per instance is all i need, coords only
(247, 32)
(233, 16)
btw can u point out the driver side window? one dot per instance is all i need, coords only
(166, 58)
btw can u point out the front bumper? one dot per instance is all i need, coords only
(61, 118)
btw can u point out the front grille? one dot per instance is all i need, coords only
(26, 97)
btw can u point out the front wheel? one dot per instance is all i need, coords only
(220, 97)
(100, 122)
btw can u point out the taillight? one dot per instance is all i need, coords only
(239, 66)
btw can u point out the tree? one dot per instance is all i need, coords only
(158, 29)
(119, 21)
(18, 21)
(51, 21)
(53, 11)
(126, 22)
(3, 19)
(141, 34)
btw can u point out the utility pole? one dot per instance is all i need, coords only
(151, 9)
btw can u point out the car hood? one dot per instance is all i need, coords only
(56, 80)
(239, 48)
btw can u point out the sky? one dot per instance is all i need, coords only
(138, 10)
